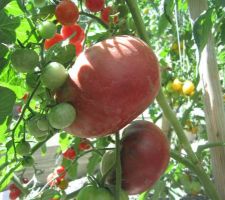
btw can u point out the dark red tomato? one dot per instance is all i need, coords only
(69, 154)
(25, 96)
(52, 41)
(14, 194)
(94, 5)
(144, 156)
(66, 12)
(25, 180)
(12, 187)
(76, 29)
(84, 145)
(105, 15)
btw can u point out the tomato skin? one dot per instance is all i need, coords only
(24, 60)
(60, 172)
(63, 184)
(105, 15)
(28, 161)
(33, 128)
(188, 88)
(62, 115)
(91, 192)
(67, 31)
(66, 12)
(54, 75)
(69, 154)
(52, 41)
(177, 85)
(94, 5)
(84, 145)
(13, 195)
(144, 156)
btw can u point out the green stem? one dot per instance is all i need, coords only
(118, 167)
(209, 145)
(209, 187)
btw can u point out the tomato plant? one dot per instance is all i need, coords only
(78, 76)
(66, 12)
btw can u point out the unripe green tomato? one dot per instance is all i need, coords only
(43, 124)
(39, 3)
(41, 138)
(33, 128)
(24, 60)
(23, 148)
(61, 115)
(47, 29)
(28, 161)
(54, 75)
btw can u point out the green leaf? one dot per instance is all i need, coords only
(3, 128)
(3, 50)
(6, 182)
(3, 64)
(72, 171)
(8, 24)
(168, 10)
(94, 160)
(202, 28)
(19, 91)
(162, 25)
(223, 32)
(7, 101)
(3, 3)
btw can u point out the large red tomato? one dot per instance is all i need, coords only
(110, 84)
(144, 156)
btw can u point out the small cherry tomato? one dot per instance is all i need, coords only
(84, 145)
(52, 41)
(69, 154)
(177, 85)
(60, 172)
(67, 31)
(105, 15)
(94, 5)
(188, 88)
(66, 12)
(14, 194)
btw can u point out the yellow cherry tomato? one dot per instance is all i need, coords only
(188, 88)
(177, 85)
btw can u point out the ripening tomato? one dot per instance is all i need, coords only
(188, 88)
(84, 145)
(69, 154)
(63, 184)
(115, 89)
(66, 12)
(76, 29)
(13, 195)
(144, 157)
(105, 15)
(47, 29)
(177, 85)
(94, 5)
(52, 41)
(25, 96)
(60, 172)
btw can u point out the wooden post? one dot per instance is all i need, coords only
(213, 101)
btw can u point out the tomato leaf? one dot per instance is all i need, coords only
(72, 172)
(48, 194)
(7, 101)
(94, 160)
(5, 183)
(202, 28)
(3, 3)
(8, 24)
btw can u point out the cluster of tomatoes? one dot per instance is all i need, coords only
(187, 87)
(14, 191)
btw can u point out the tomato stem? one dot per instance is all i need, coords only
(118, 167)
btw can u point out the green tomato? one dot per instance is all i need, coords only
(28, 161)
(24, 60)
(94, 193)
(39, 3)
(23, 148)
(33, 128)
(43, 124)
(54, 75)
(41, 138)
(62, 115)
(108, 161)
(47, 29)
